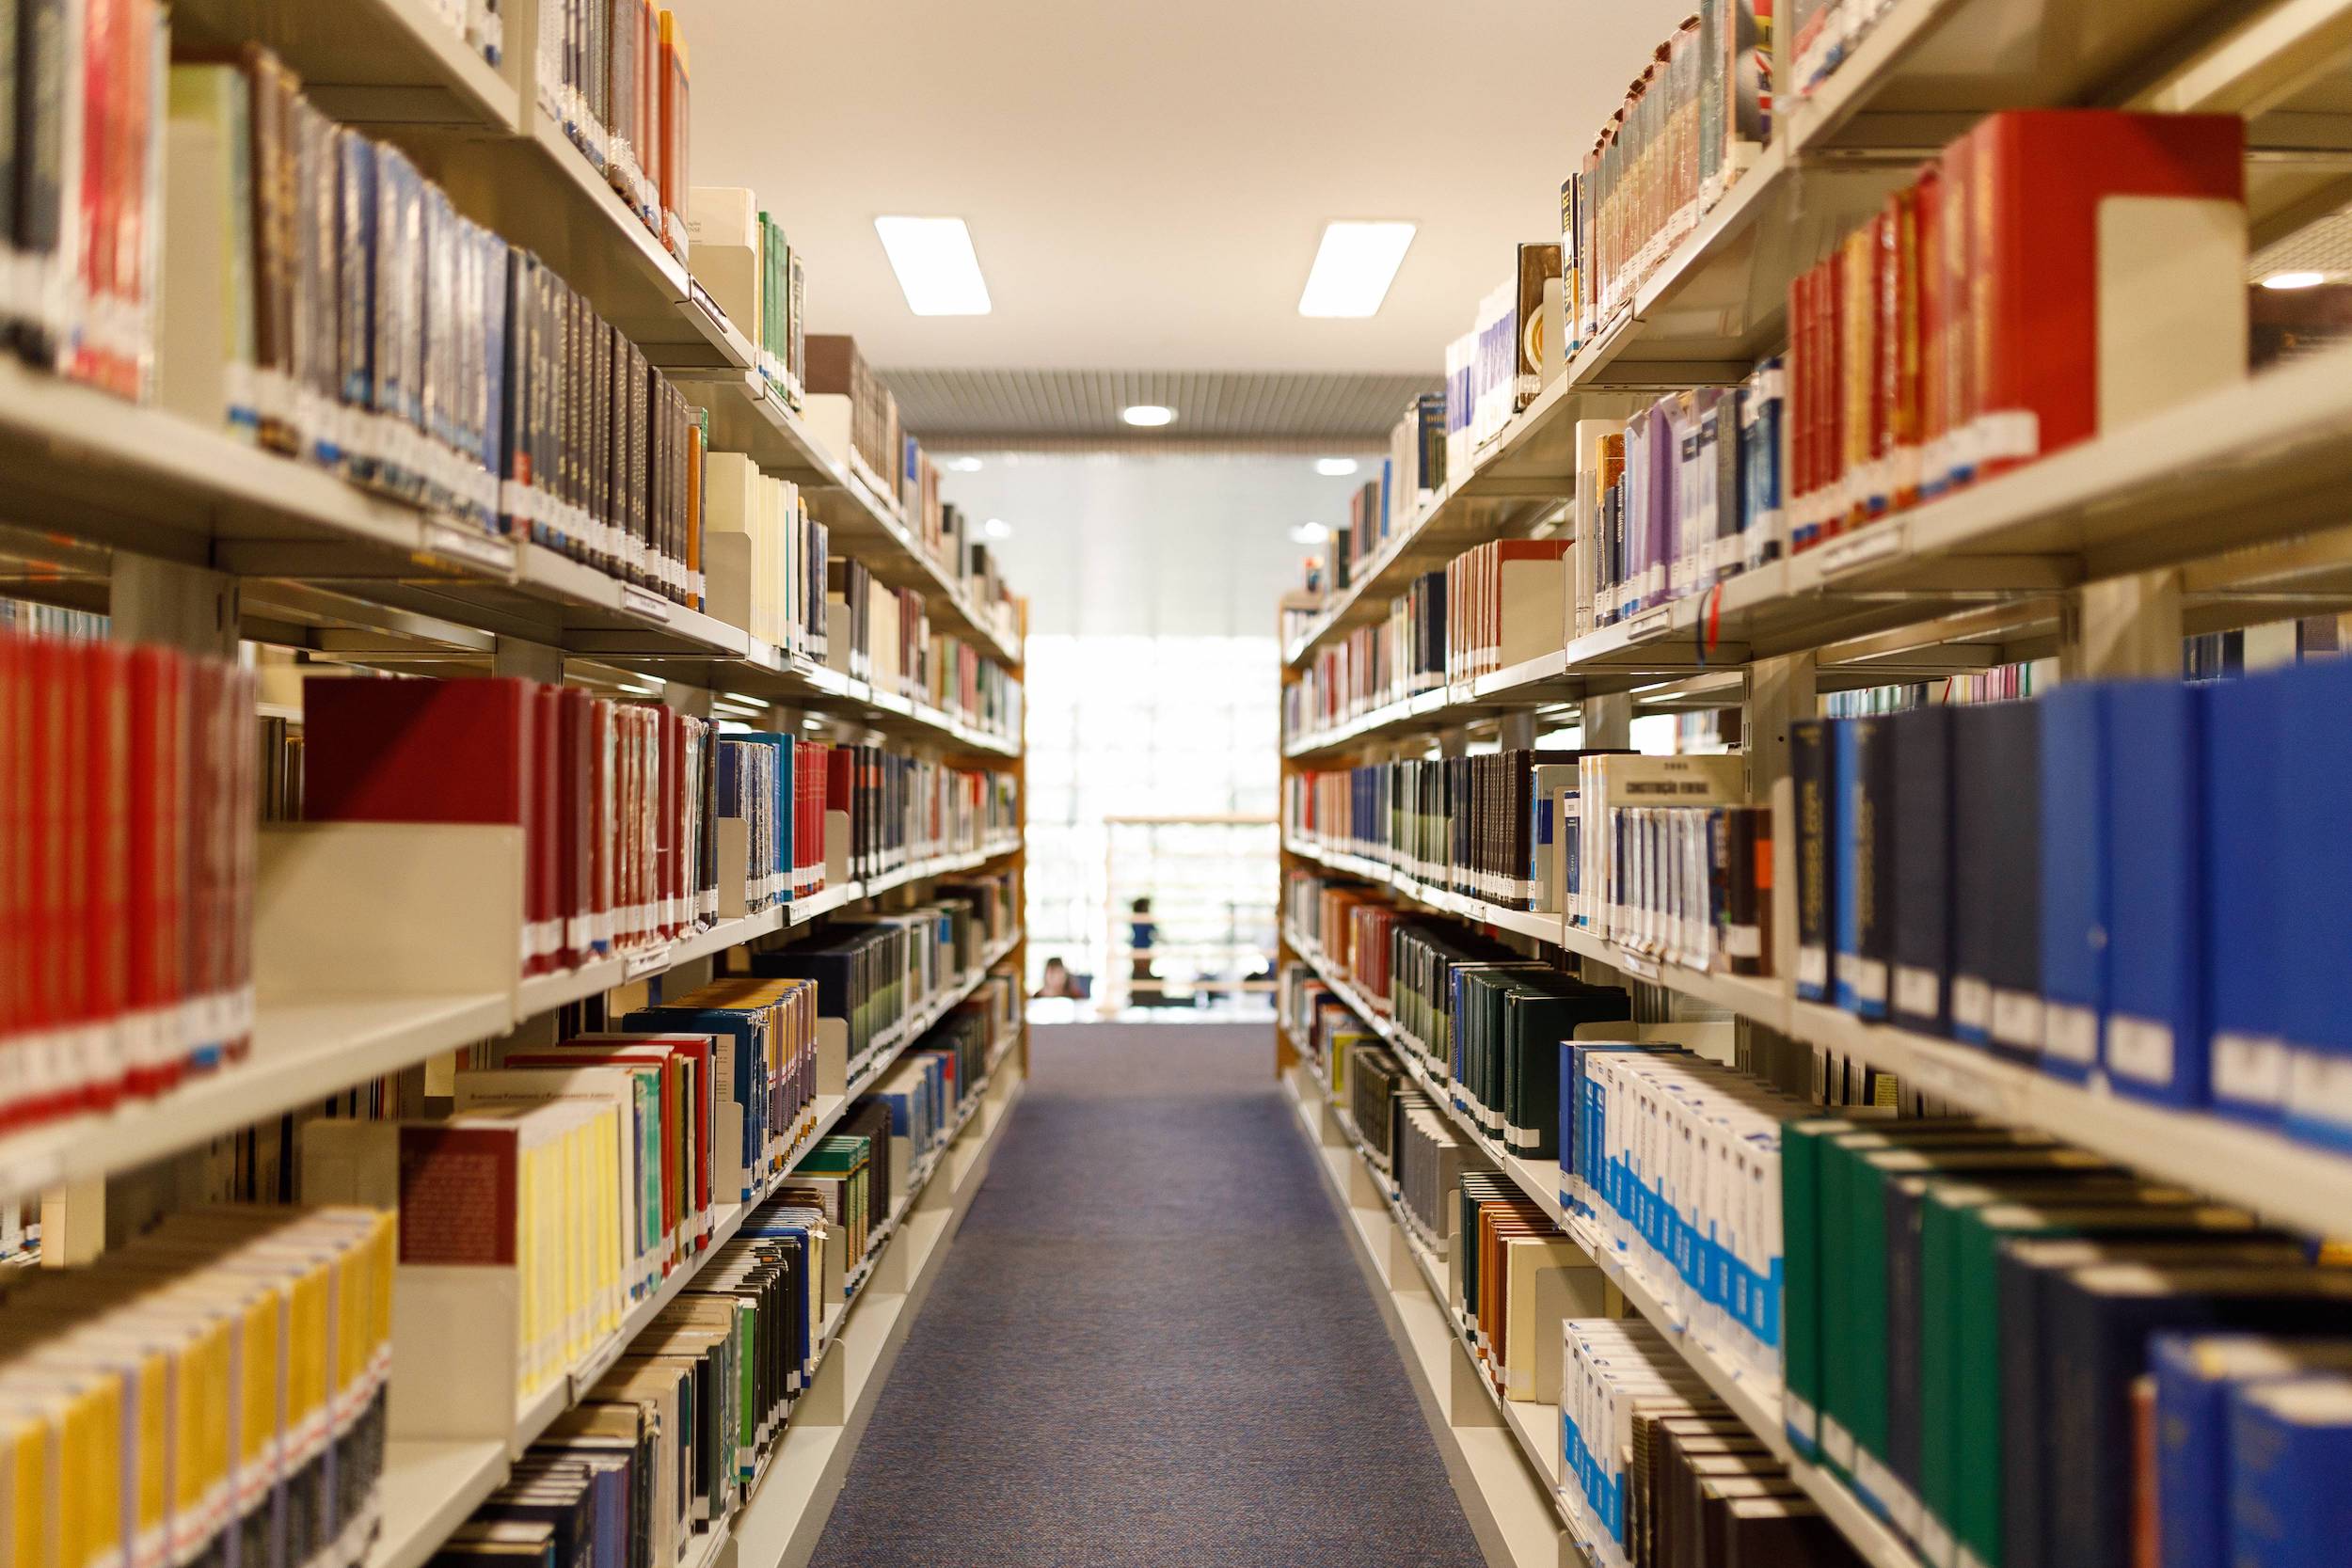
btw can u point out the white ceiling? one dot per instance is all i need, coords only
(1146, 184)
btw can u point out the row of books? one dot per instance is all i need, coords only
(1345, 922)
(2092, 882)
(664, 1446)
(855, 415)
(1665, 1473)
(613, 74)
(1488, 1023)
(1695, 119)
(663, 1451)
(1677, 500)
(617, 800)
(755, 275)
(1956, 334)
(766, 557)
(1821, 33)
(79, 223)
(128, 806)
(1492, 826)
(360, 321)
(213, 1390)
(1496, 604)
(1665, 1470)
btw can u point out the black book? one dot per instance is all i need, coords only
(2013, 771)
(1983, 894)
(1816, 808)
(1920, 981)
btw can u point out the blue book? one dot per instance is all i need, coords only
(2291, 1448)
(2197, 1377)
(2156, 1017)
(2074, 818)
(783, 745)
(1846, 745)
(2240, 781)
(2313, 854)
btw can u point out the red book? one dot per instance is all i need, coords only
(1963, 304)
(545, 843)
(422, 750)
(2048, 182)
(1927, 257)
(106, 873)
(158, 695)
(602, 814)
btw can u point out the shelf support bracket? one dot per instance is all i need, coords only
(534, 662)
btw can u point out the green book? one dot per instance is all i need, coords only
(2001, 1250)
(1834, 1302)
(1942, 1209)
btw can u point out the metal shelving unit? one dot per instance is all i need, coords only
(2221, 511)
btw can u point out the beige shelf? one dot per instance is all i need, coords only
(370, 60)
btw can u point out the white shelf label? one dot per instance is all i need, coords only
(639, 602)
(1649, 624)
(638, 965)
(482, 549)
(1875, 542)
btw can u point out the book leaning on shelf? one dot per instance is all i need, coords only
(328, 301)
(765, 557)
(128, 783)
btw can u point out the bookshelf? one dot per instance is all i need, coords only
(2216, 512)
(388, 953)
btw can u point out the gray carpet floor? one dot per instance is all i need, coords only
(1149, 1346)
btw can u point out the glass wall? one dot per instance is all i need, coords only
(1153, 726)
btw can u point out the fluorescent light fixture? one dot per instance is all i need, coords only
(641, 688)
(812, 723)
(997, 527)
(938, 271)
(2295, 281)
(1335, 468)
(1353, 267)
(1148, 416)
(964, 465)
(1309, 533)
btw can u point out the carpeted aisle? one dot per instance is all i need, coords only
(1150, 1345)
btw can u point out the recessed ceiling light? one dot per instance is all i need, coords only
(2295, 281)
(812, 723)
(1151, 416)
(1335, 468)
(964, 465)
(997, 527)
(1353, 267)
(1309, 533)
(938, 271)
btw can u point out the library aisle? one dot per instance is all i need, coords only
(1149, 1346)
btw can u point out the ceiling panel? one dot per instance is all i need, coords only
(1046, 408)
(1146, 184)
